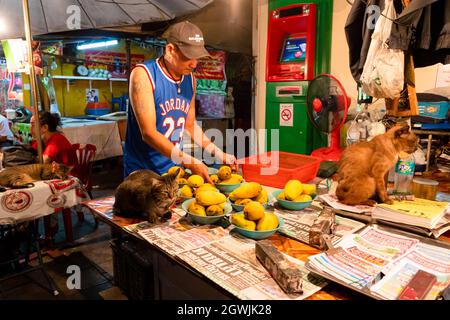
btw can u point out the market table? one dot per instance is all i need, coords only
(171, 275)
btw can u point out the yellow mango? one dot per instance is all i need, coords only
(268, 222)
(206, 186)
(165, 173)
(186, 191)
(262, 197)
(174, 169)
(309, 189)
(214, 178)
(182, 181)
(303, 198)
(209, 197)
(293, 189)
(242, 202)
(253, 211)
(197, 209)
(281, 196)
(232, 197)
(231, 180)
(214, 210)
(247, 190)
(224, 172)
(222, 205)
(239, 220)
(195, 181)
(237, 177)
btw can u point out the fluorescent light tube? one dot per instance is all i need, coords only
(97, 44)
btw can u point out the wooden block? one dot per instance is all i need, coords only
(285, 273)
(323, 225)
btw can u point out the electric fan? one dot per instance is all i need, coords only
(327, 106)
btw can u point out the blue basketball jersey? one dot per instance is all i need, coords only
(171, 110)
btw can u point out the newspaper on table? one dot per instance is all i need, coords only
(231, 262)
(432, 259)
(360, 258)
(298, 223)
(333, 202)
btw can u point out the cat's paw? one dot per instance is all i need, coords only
(388, 201)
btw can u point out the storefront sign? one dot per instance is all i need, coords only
(211, 68)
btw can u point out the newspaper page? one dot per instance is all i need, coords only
(333, 202)
(425, 257)
(231, 262)
(297, 225)
(360, 258)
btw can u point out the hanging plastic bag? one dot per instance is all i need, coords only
(383, 73)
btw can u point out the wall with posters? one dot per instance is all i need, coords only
(73, 102)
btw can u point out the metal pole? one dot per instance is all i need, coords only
(29, 39)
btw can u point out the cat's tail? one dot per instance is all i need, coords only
(26, 185)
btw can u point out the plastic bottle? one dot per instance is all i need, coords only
(404, 174)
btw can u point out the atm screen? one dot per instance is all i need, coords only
(294, 49)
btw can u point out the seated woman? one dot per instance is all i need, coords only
(55, 146)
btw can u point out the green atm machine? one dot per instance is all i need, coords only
(298, 49)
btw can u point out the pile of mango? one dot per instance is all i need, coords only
(249, 192)
(255, 218)
(208, 202)
(296, 191)
(226, 176)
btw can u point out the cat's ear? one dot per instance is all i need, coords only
(399, 129)
(171, 177)
(55, 166)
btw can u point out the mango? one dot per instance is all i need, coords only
(293, 189)
(253, 211)
(214, 210)
(282, 196)
(175, 168)
(247, 190)
(232, 197)
(222, 205)
(165, 173)
(197, 209)
(195, 181)
(268, 222)
(237, 177)
(309, 189)
(231, 180)
(206, 186)
(262, 197)
(303, 198)
(242, 202)
(209, 197)
(186, 191)
(224, 172)
(182, 181)
(214, 178)
(239, 220)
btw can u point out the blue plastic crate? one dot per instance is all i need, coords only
(437, 110)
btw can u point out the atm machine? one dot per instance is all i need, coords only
(298, 49)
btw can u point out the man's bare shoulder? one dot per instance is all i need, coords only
(139, 79)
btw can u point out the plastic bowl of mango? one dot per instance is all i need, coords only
(294, 205)
(240, 207)
(205, 219)
(249, 228)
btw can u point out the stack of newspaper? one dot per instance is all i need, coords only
(418, 212)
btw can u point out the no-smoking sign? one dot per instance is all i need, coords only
(286, 114)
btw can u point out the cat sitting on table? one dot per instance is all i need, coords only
(145, 194)
(363, 166)
(24, 176)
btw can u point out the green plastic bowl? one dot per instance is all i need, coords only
(239, 207)
(228, 188)
(292, 205)
(258, 235)
(205, 219)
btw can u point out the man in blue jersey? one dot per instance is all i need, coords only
(162, 94)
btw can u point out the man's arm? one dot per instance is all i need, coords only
(143, 106)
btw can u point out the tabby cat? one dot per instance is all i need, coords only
(145, 194)
(24, 176)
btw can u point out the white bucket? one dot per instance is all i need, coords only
(10, 114)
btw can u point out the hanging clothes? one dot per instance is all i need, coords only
(423, 28)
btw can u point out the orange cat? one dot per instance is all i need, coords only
(363, 166)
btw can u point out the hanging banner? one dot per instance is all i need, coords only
(211, 68)
(15, 51)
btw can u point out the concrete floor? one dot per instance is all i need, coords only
(90, 251)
